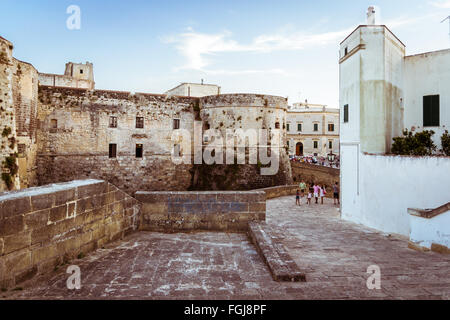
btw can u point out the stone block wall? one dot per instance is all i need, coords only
(279, 191)
(310, 173)
(8, 147)
(41, 228)
(211, 210)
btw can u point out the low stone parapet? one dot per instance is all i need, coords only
(209, 210)
(41, 228)
(279, 191)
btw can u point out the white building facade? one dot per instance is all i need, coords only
(383, 92)
(312, 130)
(196, 90)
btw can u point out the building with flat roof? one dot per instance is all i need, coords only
(312, 130)
(196, 90)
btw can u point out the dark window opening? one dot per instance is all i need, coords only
(330, 144)
(346, 113)
(277, 125)
(316, 144)
(81, 71)
(316, 127)
(140, 122)
(345, 51)
(53, 124)
(431, 111)
(176, 124)
(299, 127)
(139, 150)
(287, 127)
(112, 150)
(331, 127)
(113, 122)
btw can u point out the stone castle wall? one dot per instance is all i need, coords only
(79, 144)
(229, 211)
(8, 148)
(42, 228)
(58, 134)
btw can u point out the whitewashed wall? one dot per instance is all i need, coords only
(427, 74)
(425, 232)
(377, 190)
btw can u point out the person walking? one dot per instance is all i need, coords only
(316, 192)
(336, 193)
(297, 198)
(310, 193)
(302, 187)
(323, 192)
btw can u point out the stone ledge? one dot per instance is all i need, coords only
(429, 213)
(268, 244)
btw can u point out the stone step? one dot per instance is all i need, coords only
(268, 243)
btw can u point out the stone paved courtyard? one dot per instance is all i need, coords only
(333, 253)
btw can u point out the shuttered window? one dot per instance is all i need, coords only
(346, 113)
(431, 111)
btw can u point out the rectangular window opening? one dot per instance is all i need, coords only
(316, 127)
(139, 122)
(431, 111)
(113, 122)
(346, 113)
(176, 124)
(112, 150)
(331, 127)
(139, 150)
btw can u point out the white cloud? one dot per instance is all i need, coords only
(441, 4)
(198, 48)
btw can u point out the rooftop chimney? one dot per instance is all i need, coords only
(371, 16)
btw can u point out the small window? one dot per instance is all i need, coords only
(316, 144)
(139, 150)
(346, 113)
(176, 124)
(113, 122)
(316, 127)
(139, 122)
(431, 111)
(112, 150)
(345, 51)
(288, 144)
(81, 71)
(330, 144)
(53, 124)
(287, 127)
(331, 127)
(277, 125)
(299, 127)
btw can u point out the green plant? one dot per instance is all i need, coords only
(445, 142)
(418, 144)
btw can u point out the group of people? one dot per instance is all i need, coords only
(317, 191)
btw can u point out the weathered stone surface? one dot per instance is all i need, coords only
(274, 254)
(12, 225)
(58, 213)
(15, 207)
(209, 210)
(17, 241)
(42, 201)
(39, 239)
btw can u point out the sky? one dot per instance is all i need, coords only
(284, 48)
